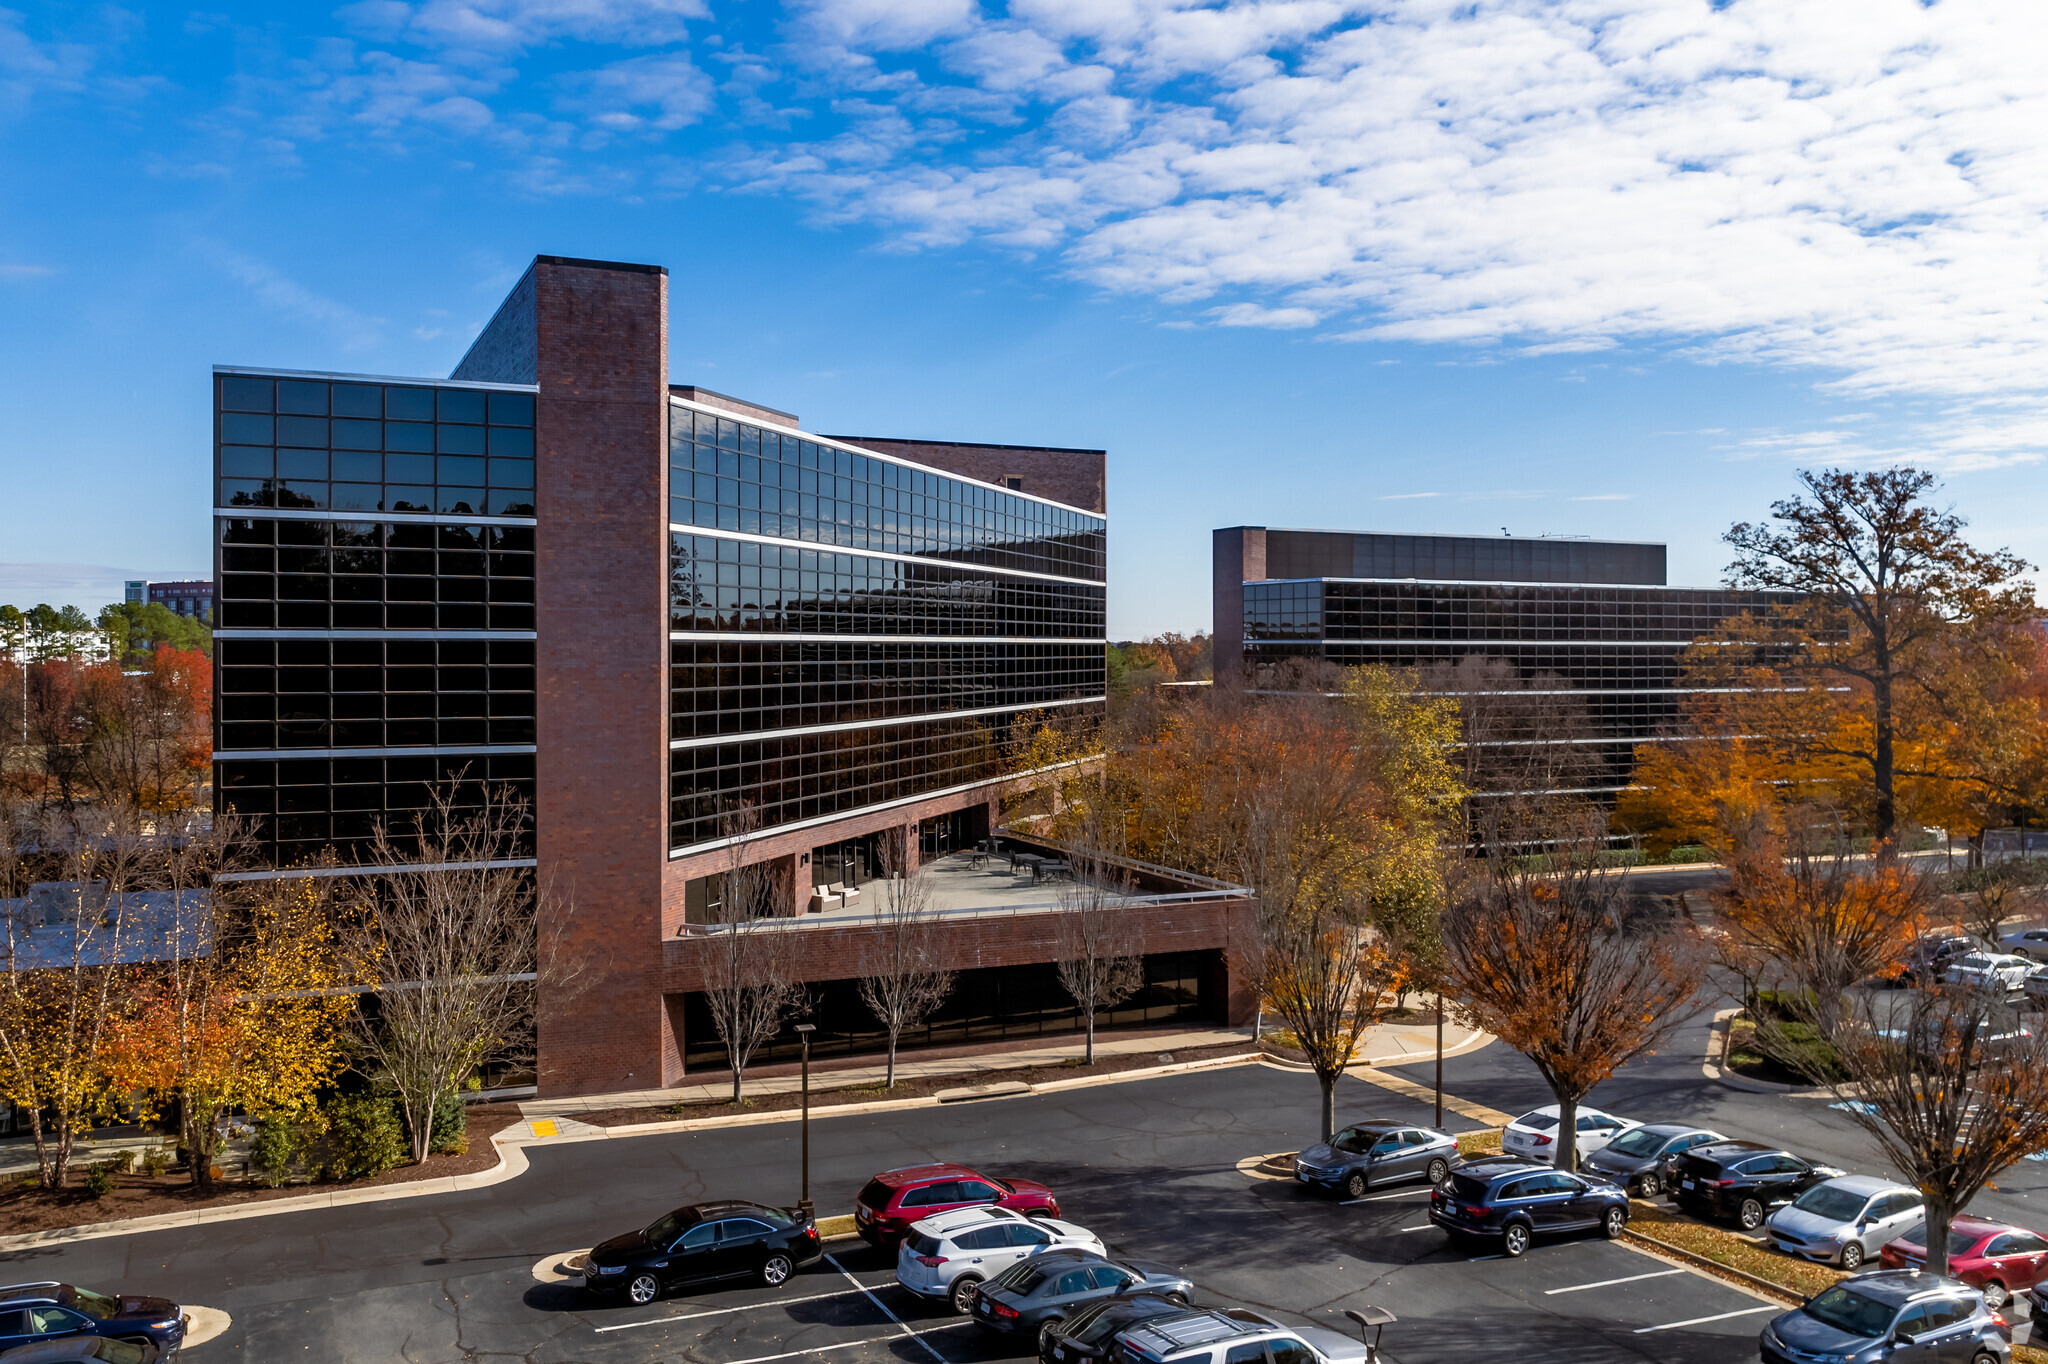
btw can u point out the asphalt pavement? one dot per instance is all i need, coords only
(1151, 1165)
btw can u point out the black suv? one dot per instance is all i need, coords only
(31, 1312)
(1743, 1180)
(723, 1240)
(1518, 1201)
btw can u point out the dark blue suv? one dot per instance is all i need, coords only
(1518, 1201)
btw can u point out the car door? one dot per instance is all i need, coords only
(1890, 1217)
(1415, 1153)
(1025, 1239)
(1784, 1178)
(1383, 1161)
(694, 1256)
(941, 1197)
(987, 1250)
(13, 1327)
(1595, 1131)
(1922, 1348)
(1549, 1200)
(1584, 1202)
(1111, 1278)
(742, 1244)
(1950, 1335)
(2028, 1258)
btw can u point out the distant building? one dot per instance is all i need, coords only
(1592, 618)
(192, 597)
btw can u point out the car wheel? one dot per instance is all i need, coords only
(1354, 1186)
(1614, 1223)
(1984, 1357)
(645, 1288)
(1515, 1240)
(1995, 1295)
(963, 1293)
(1439, 1170)
(1852, 1257)
(1653, 1184)
(1750, 1214)
(1045, 1336)
(776, 1269)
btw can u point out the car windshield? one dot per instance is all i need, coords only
(1831, 1203)
(1467, 1188)
(1539, 1122)
(1974, 961)
(1020, 1278)
(117, 1351)
(94, 1304)
(666, 1228)
(1355, 1140)
(1641, 1142)
(1850, 1312)
(1959, 1242)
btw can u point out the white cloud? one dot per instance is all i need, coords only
(500, 26)
(1252, 315)
(279, 292)
(1856, 186)
(661, 92)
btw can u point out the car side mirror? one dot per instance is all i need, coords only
(1902, 1338)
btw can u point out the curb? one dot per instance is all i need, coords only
(1717, 1040)
(1474, 1040)
(512, 1163)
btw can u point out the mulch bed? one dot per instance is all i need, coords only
(25, 1209)
(906, 1088)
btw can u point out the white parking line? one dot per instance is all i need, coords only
(914, 1335)
(1609, 1283)
(1702, 1321)
(1381, 1198)
(1424, 1227)
(849, 1344)
(743, 1307)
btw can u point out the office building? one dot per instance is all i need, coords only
(1591, 623)
(674, 619)
(188, 597)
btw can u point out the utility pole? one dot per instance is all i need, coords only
(805, 1030)
(1439, 1060)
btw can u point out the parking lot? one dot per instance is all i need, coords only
(1150, 1166)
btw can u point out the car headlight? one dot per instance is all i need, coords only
(611, 1269)
(165, 1325)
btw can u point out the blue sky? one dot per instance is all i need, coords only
(1609, 269)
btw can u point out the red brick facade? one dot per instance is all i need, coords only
(601, 593)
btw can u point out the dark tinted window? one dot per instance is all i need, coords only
(921, 1244)
(1254, 1353)
(742, 1229)
(931, 1195)
(1024, 1234)
(1073, 1281)
(1947, 1312)
(875, 1194)
(973, 1189)
(699, 1236)
(2024, 1243)
(1287, 1350)
(15, 1322)
(1466, 1189)
(1021, 1278)
(983, 1238)
(1110, 1277)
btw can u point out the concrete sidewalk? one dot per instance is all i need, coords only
(1388, 1044)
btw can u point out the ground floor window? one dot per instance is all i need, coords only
(950, 832)
(994, 1003)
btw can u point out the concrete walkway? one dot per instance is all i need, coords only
(1388, 1044)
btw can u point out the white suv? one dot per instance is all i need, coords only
(944, 1257)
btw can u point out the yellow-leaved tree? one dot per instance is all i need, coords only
(243, 1015)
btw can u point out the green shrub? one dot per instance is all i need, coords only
(1689, 852)
(364, 1137)
(275, 1147)
(156, 1160)
(99, 1181)
(1787, 1006)
(451, 1126)
(1801, 1049)
(122, 1161)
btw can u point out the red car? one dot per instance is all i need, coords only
(1996, 1258)
(894, 1199)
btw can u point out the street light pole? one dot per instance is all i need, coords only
(804, 1030)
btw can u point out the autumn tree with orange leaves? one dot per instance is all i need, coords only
(242, 1014)
(1896, 676)
(1552, 958)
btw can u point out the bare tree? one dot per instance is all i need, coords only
(1095, 941)
(1547, 957)
(455, 945)
(749, 976)
(901, 980)
(1523, 739)
(1985, 897)
(1947, 1085)
(61, 952)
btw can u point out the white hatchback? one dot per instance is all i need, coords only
(944, 1257)
(1989, 971)
(1534, 1134)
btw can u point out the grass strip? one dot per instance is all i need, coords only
(1802, 1278)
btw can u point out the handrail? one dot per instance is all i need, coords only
(1025, 835)
(839, 920)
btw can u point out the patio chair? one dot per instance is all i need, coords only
(823, 899)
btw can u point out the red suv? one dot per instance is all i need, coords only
(894, 1199)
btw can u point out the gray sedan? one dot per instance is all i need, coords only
(1376, 1152)
(1032, 1296)
(1644, 1160)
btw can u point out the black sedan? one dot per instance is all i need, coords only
(1744, 1180)
(1645, 1159)
(33, 1312)
(1034, 1295)
(1518, 1200)
(1087, 1335)
(723, 1240)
